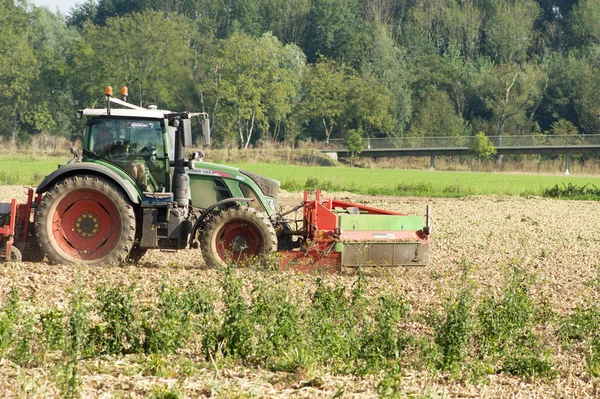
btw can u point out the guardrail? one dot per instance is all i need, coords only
(465, 141)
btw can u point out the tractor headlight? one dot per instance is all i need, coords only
(272, 203)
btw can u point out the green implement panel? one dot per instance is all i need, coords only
(380, 222)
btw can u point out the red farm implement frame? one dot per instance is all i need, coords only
(16, 228)
(340, 234)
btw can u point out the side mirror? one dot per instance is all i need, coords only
(185, 132)
(206, 132)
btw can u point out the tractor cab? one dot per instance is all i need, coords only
(135, 144)
(137, 141)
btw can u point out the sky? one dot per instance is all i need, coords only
(63, 5)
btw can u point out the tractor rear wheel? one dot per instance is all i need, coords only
(85, 219)
(237, 235)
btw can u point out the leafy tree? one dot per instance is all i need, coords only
(563, 127)
(367, 105)
(509, 90)
(385, 61)
(118, 8)
(565, 74)
(253, 85)
(354, 142)
(286, 19)
(18, 65)
(148, 52)
(51, 104)
(482, 147)
(509, 29)
(585, 23)
(382, 12)
(435, 116)
(552, 25)
(323, 86)
(586, 95)
(450, 73)
(335, 30)
(430, 26)
(82, 13)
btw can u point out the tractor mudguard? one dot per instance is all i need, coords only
(78, 168)
(209, 210)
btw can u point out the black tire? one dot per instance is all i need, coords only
(136, 254)
(31, 251)
(237, 235)
(86, 220)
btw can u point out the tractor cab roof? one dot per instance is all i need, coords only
(142, 113)
(131, 110)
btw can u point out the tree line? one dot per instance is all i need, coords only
(290, 70)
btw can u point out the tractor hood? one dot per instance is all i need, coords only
(268, 186)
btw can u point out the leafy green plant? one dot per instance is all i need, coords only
(164, 392)
(120, 330)
(69, 380)
(383, 340)
(581, 325)
(233, 334)
(52, 323)
(333, 322)
(277, 321)
(571, 190)
(167, 326)
(507, 326)
(9, 318)
(453, 330)
(482, 147)
(354, 142)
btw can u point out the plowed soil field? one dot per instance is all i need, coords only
(557, 242)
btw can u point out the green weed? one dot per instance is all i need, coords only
(453, 331)
(119, 331)
(333, 324)
(277, 321)
(52, 323)
(234, 334)
(9, 318)
(507, 326)
(571, 190)
(167, 327)
(69, 380)
(383, 340)
(164, 392)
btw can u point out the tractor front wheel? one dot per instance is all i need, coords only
(85, 219)
(237, 235)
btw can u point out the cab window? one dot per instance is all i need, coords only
(136, 145)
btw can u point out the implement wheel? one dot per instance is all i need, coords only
(15, 255)
(237, 235)
(85, 219)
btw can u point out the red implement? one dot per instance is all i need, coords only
(340, 234)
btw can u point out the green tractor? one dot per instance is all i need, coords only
(132, 190)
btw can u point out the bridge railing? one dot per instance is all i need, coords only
(465, 141)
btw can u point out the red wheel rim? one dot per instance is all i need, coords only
(238, 241)
(86, 225)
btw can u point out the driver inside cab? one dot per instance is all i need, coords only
(108, 145)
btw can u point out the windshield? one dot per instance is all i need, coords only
(136, 145)
(118, 138)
